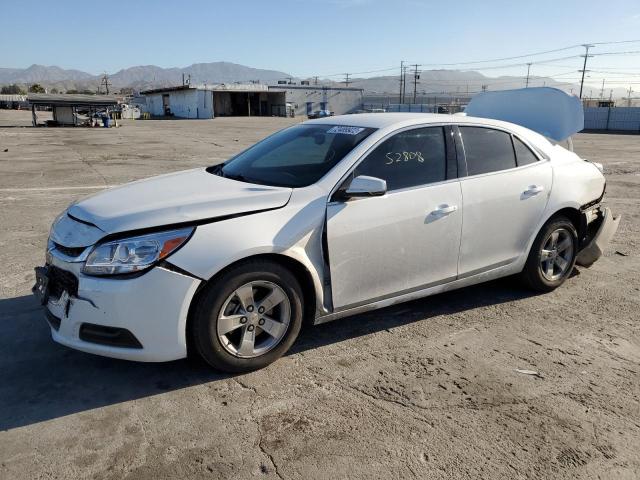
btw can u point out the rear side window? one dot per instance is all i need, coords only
(524, 155)
(408, 159)
(487, 150)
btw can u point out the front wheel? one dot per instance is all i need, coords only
(552, 256)
(249, 317)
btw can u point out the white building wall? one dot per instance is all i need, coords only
(205, 104)
(154, 104)
(183, 104)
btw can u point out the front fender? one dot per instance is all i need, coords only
(294, 233)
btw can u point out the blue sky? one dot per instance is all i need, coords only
(320, 37)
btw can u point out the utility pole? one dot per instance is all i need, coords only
(629, 97)
(404, 83)
(401, 80)
(584, 66)
(528, 70)
(602, 90)
(315, 80)
(416, 77)
(346, 80)
(104, 82)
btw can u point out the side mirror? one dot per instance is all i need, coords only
(364, 186)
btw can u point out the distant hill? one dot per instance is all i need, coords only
(142, 77)
(216, 72)
(41, 74)
(139, 77)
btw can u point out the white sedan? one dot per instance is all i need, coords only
(317, 222)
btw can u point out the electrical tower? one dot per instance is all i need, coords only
(584, 66)
(346, 80)
(528, 70)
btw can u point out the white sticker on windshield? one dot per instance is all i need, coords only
(345, 130)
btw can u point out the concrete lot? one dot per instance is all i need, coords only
(426, 389)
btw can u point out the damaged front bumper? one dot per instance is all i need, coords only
(140, 318)
(599, 233)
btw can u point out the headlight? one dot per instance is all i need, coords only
(134, 254)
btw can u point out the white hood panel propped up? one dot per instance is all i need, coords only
(548, 111)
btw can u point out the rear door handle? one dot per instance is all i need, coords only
(443, 210)
(533, 190)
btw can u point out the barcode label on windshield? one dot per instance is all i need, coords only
(345, 130)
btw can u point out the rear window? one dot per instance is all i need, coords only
(524, 155)
(487, 150)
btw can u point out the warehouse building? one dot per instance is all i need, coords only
(255, 100)
(305, 99)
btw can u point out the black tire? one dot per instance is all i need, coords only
(532, 274)
(204, 326)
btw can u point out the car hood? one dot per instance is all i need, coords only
(181, 197)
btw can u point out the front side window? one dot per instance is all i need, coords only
(524, 155)
(487, 150)
(408, 159)
(295, 157)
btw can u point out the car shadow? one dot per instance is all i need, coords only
(41, 380)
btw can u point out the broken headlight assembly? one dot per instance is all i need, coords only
(134, 254)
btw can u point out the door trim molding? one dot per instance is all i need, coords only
(485, 274)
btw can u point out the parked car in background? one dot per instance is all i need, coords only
(320, 114)
(317, 222)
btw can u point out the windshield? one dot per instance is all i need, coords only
(295, 157)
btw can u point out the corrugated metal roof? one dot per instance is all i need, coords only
(71, 99)
(12, 98)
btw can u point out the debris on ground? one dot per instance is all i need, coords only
(533, 373)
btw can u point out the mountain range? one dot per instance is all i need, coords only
(142, 77)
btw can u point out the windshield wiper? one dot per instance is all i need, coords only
(237, 176)
(216, 170)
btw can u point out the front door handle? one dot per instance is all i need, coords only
(533, 190)
(443, 210)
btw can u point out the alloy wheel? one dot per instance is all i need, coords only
(557, 254)
(254, 319)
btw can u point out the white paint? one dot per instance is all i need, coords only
(382, 239)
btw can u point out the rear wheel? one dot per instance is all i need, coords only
(249, 317)
(552, 256)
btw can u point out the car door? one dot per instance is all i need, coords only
(504, 198)
(407, 239)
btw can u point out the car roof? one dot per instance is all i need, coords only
(404, 119)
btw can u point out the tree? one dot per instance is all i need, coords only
(36, 88)
(54, 90)
(126, 91)
(12, 90)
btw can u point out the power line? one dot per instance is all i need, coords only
(505, 58)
